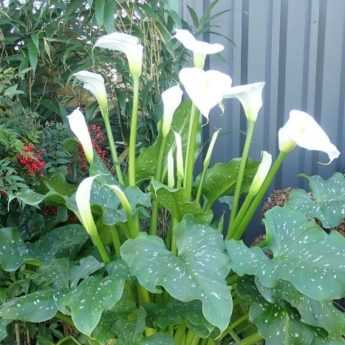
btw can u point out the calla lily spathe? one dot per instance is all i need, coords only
(94, 83)
(79, 128)
(250, 96)
(171, 168)
(261, 173)
(200, 49)
(302, 130)
(171, 100)
(205, 89)
(127, 44)
(82, 198)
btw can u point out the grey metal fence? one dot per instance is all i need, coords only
(298, 48)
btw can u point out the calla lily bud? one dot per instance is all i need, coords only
(261, 173)
(127, 44)
(82, 198)
(179, 156)
(171, 169)
(302, 130)
(200, 49)
(205, 89)
(210, 148)
(250, 97)
(94, 83)
(171, 100)
(79, 128)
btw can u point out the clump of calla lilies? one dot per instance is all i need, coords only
(176, 162)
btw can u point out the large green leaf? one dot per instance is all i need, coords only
(221, 179)
(63, 241)
(86, 267)
(326, 201)
(147, 160)
(318, 314)
(176, 202)
(302, 254)
(197, 273)
(12, 249)
(38, 306)
(281, 325)
(278, 326)
(91, 298)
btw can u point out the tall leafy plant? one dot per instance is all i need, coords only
(125, 277)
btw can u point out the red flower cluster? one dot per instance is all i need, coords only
(98, 142)
(31, 159)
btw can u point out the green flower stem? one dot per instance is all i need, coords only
(158, 177)
(243, 163)
(133, 134)
(238, 321)
(247, 201)
(202, 179)
(238, 232)
(190, 154)
(112, 146)
(173, 236)
(251, 340)
(180, 335)
(116, 241)
(96, 240)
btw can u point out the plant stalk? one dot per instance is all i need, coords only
(100, 247)
(112, 147)
(133, 134)
(243, 163)
(190, 154)
(240, 229)
(158, 177)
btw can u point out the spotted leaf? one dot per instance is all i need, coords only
(326, 202)
(90, 299)
(302, 254)
(198, 272)
(12, 249)
(38, 306)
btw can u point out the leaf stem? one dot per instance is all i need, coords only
(240, 229)
(112, 146)
(190, 154)
(133, 134)
(158, 177)
(243, 163)
(116, 241)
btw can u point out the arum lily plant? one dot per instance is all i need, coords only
(172, 271)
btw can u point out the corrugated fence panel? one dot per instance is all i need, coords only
(298, 48)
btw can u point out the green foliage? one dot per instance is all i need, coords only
(198, 272)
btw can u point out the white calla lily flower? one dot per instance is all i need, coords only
(200, 49)
(127, 44)
(79, 128)
(171, 100)
(179, 156)
(250, 96)
(82, 198)
(261, 173)
(302, 130)
(94, 83)
(205, 89)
